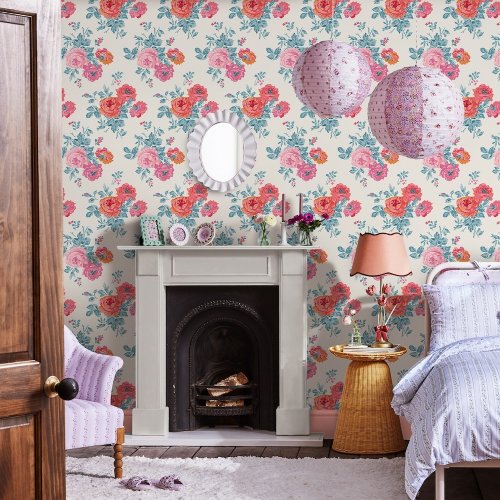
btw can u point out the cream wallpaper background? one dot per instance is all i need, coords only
(138, 74)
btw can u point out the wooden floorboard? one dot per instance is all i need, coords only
(247, 451)
(313, 452)
(279, 451)
(150, 451)
(90, 451)
(214, 451)
(181, 452)
(107, 451)
(460, 484)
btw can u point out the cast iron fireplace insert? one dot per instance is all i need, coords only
(214, 332)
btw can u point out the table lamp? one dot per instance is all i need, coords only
(376, 256)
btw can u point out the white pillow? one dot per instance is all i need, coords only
(462, 311)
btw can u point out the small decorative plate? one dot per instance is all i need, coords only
(179, 234)
(205, 233)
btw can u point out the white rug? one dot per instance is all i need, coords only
(243, 478)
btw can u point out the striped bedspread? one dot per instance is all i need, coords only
(452, 400)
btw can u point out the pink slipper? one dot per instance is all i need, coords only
(137, 483)
(171, 482)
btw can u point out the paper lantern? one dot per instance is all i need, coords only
(416, 112)
(331, 78)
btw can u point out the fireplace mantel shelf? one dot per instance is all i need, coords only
(283, 248)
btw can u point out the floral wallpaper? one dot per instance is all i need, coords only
(139, 74)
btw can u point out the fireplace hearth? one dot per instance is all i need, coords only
(214, 332)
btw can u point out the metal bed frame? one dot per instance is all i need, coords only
(462, 272)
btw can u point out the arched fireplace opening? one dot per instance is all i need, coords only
(222, 335)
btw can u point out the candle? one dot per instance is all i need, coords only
(300, 203)
(282, 207)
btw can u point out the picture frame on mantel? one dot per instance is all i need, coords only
(151, 231)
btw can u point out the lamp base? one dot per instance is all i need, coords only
(382, 344)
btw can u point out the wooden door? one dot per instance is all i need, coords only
(31, 292)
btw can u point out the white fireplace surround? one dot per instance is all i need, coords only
(160, 267)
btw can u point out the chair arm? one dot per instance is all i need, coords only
(95, 374)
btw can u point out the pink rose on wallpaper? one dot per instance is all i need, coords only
(493, 10)
(281, 9)
(235, 72)
(496, 255)
(378, 71)
(433, 256)
(289, 57)
(362, 158)
(496, 59)
(433, 58)
(92, 172)
(92, 271)
(164, 72)
(68, 108)
(291, 157)
(68, 207)
(311, 369)
(423, 208)
(449, 171)
(147, 157)
(69, 307)
(138, 10)
(77, 158)
(494, 209)
(125, 291)
(378, 171)
(311, 270)
(352, 208)
(324, 402)
(435, 161)
(76, 58)
(219, 58)
(493, 110)
(209, 9)
(281, 109)
(352, 10)
(92, 72)
(497, 158)
(209, 107)
(67, 9)
(138, 208)
(209, 209)
(450, 70)
(306, 172)
(138, 109)
(423, 9)
(164, 171)
(77, 257)
(147, 58)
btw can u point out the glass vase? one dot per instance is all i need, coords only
(305, 238)
(264, 236)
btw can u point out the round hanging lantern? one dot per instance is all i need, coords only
(331, 78)
(416, 112)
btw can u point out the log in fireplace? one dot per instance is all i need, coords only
(216, 332)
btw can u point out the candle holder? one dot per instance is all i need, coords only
(284, 237)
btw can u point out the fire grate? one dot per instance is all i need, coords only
(200, 396)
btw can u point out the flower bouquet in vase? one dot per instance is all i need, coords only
(306, 224)
(265, 222)
(382, 328)
(348, 320)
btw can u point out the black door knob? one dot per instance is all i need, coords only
(66, 389)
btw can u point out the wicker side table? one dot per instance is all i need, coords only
(366, 422)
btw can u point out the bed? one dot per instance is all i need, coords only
(452, 397)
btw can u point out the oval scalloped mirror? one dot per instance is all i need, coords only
(221, 150)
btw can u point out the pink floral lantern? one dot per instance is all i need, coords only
(331, 78)
(416, 112)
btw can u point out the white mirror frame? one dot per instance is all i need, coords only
(194, 148)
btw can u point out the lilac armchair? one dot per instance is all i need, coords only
(90, 419)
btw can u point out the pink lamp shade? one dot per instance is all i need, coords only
(416, 112)
(379, 254)
(331, 78)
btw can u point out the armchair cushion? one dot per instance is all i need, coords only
(94, 372)
(91, 424)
